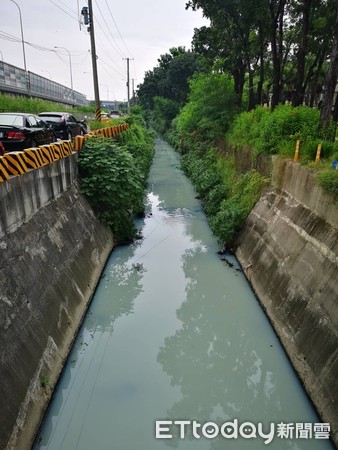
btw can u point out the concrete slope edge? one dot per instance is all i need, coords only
(51, 265)
(288, 249)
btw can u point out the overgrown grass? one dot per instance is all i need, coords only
(267, 132)
(328, 179)
(96, 125)
(10, 103)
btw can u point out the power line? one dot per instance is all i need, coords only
(111, 15)
(118, 48)
(111, 59)
(111, 67)
(110, 74)
(58, 6)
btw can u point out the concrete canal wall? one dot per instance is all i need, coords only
(289, 251)
(52, 253)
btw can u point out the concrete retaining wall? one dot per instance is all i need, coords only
(52, 253)
(289, 250)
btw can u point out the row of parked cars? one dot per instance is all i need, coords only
(22, 130)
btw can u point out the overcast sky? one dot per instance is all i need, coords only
(137, 29)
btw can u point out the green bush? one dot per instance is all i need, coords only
(112, 183)
(113, 177)
(328, 179)
(210, 109)
(226, 195)
(165, 110)
(287, 124)
(276, 132)
(246, 128)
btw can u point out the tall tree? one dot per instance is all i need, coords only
(299, 87)
(169, 79)
(331, 81)
(277, 11)
(238, 33)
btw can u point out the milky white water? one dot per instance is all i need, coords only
(173, 333)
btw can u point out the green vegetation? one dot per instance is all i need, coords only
(165, 88)
(95, 125)
(328, 179)
(210, 109)
(276, 132)
(36, 105)
(44, 381)
(227, 195)
(113, 176)
(253, 53)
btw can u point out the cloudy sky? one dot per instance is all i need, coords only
(142, 30)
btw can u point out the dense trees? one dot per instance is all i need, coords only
(275, 51)
(170, 78)
(279, 48)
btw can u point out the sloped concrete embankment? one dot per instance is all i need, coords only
(52, 253)
(289, 250)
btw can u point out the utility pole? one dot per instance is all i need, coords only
(128, 83)
(89, 20)
(134, 97)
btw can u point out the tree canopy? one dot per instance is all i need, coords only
(275, 51)
(279, 49)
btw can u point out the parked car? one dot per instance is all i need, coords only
(115, 114)
(64, 125)
(21, 130)
(105, 117)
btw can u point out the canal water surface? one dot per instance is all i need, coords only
(175, 333)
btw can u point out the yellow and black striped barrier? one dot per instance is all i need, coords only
(33, 158)
(58, 149)
(4, 175)
(48, 152)
(16, 164)
(78, 143)
(68, 147)
(98, 114)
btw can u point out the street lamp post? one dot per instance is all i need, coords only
(23, 46)
(70, 69)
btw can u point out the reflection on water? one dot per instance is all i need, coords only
(172, 333)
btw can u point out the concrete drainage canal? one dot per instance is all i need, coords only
(175, 334)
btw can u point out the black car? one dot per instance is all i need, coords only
(21, 130)
(65, 125)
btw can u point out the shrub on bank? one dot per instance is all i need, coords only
(227, 196)
(328, 179)
(113, 176)
(211, 107)
(274, 132)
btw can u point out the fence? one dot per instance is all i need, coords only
(14, 80)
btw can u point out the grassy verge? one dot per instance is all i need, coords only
(9, 103)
